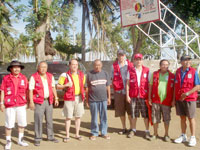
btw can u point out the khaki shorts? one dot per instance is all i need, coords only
(184, 108)
(138, 106)
(73, 108)
(158, 110)
(121, 105)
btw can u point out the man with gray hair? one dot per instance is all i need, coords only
(42, 93)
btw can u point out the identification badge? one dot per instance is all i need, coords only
(116, 73)
(189, 76)
(132, 80)
(37, 95)
(9, 92)
(37, 84)
(22, 82)
(145, 75)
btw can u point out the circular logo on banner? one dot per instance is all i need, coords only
(138, 7)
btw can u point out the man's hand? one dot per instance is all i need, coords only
(109, 101)
(68, 85)
(173, 103)
(32, 105)
(56, 103)
(150, 102)
(128, 99)
(87, 104)
(183, 96)
(2, 107)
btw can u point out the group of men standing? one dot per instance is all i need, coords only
(135, 91)
(138, 92)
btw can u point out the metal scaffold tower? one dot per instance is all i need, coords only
(171, 32)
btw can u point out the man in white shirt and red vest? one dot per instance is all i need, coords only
(14, 89)
(72, 82)
(42, 94)
(185, 96)
(161, 88)
(119, 75)
(137, 93)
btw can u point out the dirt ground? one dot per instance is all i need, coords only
(117, 142)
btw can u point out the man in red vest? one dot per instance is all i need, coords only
(14, 90)
(72, 82)
(186, 83)
(42, 93)
(137, 93)
(161, 88)
(119, 75)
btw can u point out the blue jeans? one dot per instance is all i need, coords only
(100, 107)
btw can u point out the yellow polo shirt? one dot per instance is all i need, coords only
(75, 79)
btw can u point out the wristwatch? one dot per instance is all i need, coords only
(187, 94)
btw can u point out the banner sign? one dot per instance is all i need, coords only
(135, 12)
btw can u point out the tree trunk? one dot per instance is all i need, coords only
(137, 45)
(39, 45)
(83, 31)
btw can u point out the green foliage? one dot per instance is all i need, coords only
(67, 48)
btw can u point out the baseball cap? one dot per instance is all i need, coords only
(138, 55)
(185, 57)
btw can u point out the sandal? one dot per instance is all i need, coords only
(80, 138)
(93, 138)
(65, 140)
(107, 137)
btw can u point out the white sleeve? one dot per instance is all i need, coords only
(53, 82)
(31, 83)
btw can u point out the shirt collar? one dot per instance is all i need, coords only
(126, 63)
(185, 70)
(12, 76)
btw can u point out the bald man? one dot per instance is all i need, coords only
(97, 98)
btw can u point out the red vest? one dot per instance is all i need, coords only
(12, 100)
(187, 85)
(134, 90)
(38, 92)
(117, 78)
(70, 92)
(170, 89)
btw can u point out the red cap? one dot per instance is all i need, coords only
(138, 55)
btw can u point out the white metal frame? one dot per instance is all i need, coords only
(172, 35)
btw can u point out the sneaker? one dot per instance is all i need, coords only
(166, 138)
(180, 139)
(8, 145)
(192, 141)
(153, 138)
(123, 131)
(22, 143)
(131, 134)
(147, 136)
(37, 143)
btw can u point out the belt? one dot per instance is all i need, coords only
(46, 99)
